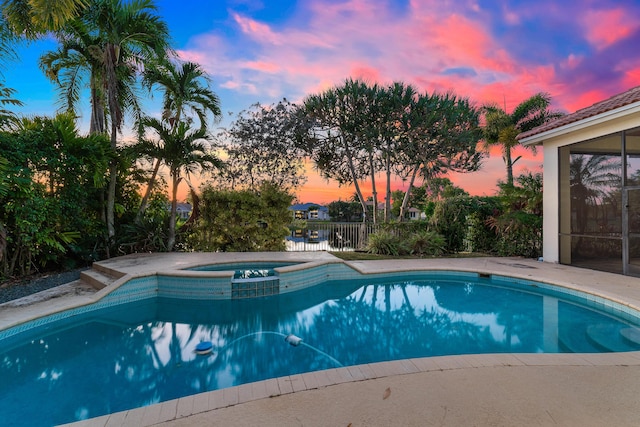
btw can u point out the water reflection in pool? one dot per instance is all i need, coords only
(143, 353)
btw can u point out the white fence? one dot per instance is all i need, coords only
(330, 236)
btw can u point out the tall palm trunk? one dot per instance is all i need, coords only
(387, 202)
(171, 241)
(97, 109)
(507, 160)
(111, 61)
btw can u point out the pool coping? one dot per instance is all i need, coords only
(621, 289)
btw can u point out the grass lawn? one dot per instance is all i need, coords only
(365, 256)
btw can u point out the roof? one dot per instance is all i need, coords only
(306, 206)
(625, 98)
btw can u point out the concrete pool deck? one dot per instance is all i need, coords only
(479, 390)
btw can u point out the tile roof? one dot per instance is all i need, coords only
(617, 101)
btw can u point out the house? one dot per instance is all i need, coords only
(415, 214)
(310, 211)
(183, 210)
(592, 185)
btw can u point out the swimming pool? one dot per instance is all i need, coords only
(135, 354)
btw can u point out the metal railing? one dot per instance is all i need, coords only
(330, 236)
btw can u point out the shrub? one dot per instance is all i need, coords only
(241, 221)
(426, 243)
(519, 234)
(462, 222)
(386, 243)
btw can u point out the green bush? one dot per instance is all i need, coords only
(242, 221)
(519, 234)
(426, 243)
(386, 243)
(462, 222)
(404, 239)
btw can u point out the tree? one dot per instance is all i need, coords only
(52, 178)
(261, 148)
(334, 137)
(185, 87)
(110, 42)
(8, 118)
(501, 128)
(593, 178)
(341, 211)
(34, 18)
(439, 134)
(78, 59)
(393, 110)
(519, 224)
(441, 187)
(130, 34)
(184, 151)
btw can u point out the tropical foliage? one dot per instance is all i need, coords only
(260, 147)
(246, 220)
(48, 211)
(67, 199)
(185, 152)
(502, 128)
(356, 131)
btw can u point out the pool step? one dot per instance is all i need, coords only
(573, 340)
(608, 337)
(97, 279)
(103, 269)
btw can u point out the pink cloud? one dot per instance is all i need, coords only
(605, 27)
(257, 30)
(423, 46)
(632, 77)
(264, 66)
(365, 73)
(586, 99)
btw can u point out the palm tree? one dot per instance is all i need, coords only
(8, 118)
(130, 35)
(502, 128)
(76, 60)
(185, 87)
(34, 18)
(110, 42)
(184, 151)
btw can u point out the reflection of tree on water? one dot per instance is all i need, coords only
(519, 313)
(595, 188)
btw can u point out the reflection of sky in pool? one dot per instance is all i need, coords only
(143, 353)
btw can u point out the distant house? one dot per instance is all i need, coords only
(310, 211)
(415, 214)
(183, 210)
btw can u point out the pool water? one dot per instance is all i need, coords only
(143, 353)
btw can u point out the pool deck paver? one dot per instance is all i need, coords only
(480, 390)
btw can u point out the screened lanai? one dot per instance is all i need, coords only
(592, 185)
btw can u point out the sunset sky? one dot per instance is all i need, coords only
(579, 52)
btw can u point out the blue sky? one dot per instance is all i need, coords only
(579, 52)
